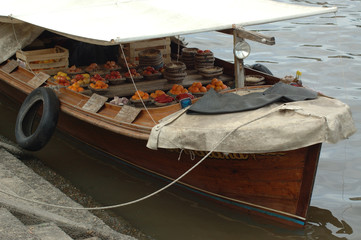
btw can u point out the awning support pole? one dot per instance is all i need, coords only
(239, 73)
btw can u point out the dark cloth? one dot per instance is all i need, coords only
(216, 103)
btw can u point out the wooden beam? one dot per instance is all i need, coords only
(251, 35)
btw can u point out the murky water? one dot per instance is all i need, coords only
(327, 50)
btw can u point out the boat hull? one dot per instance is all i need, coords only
(275, 185)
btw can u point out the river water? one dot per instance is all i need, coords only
(327, 50)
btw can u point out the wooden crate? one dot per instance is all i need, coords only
(132, 50)
(50, 60)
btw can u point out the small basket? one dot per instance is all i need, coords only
(138, 103)
(136, 79)
(152, 76)
(158, 104)
(116, 81)
(100, 91)
(254, 80)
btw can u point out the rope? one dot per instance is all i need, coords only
(154, 193)
(135, 86)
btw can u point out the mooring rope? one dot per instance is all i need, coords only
(155, 192)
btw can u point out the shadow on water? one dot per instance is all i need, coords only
(169, 213)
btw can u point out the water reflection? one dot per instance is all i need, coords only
(319, 221)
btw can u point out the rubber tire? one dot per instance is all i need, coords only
(261, 68)
(26, 116)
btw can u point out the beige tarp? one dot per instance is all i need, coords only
(277, 127)
(16, 36)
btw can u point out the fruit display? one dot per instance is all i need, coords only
(164, 98)
(92, 67)
(184, 95)
(132, 72)
(96, 78)
(74, 69)
(76, 87)
(99, 85)
(111, 65)
(81, 79)
(140, 95)
(217, 85)
(157, 93)
(62, 78)
(133, 75)
(113, 75)
(197, 87)
(151, 73)
(177, 89)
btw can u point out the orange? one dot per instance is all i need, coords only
(209, 86)
(203, 89)
(175, 87)
(198, 85)
(180, 88)
(224, 86)
(218, 88)
(214, 81)
(219, 83)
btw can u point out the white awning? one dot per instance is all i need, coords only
(109, 22)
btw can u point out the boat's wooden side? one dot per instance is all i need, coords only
(276, 185)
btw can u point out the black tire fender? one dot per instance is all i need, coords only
(34, 141)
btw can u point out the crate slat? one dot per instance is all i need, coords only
(132, 50)
(57, 57)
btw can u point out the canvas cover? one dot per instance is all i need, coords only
(110, 22)
(10, 43)
(275, 127)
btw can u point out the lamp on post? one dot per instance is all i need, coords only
(241, 50)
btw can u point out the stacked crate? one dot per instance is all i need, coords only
(50, 60)
(132, 50)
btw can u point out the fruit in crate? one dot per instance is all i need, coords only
(99, 85)
(96, 78)
(178, 89)
(157, 93)
(111, 65)
(62, 78)
(217, 85)
(197, 87)
(113, 75)
(140, 95)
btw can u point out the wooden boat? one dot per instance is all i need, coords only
(275, 184)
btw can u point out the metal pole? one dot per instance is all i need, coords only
(238, 64)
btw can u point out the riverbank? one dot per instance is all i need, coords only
(28, 177)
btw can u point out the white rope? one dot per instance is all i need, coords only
(154, 193)
(135, 86)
